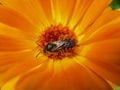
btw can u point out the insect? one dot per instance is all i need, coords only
(59, 45)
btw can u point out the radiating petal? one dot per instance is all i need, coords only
(16, 20)
(104, 58)
(108, 71)
(105, 51)
(15, 63)
(61, 75)
(105, 27)
(94, 11)
(12, 44)
(36, 78)
(12, 32)
(77, 12)
(62, 10)
(7, 58)
(31, 9)
(10, 84)
(47, 7)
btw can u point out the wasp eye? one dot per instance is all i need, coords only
(49, 47)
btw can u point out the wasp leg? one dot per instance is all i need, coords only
(60, 38)
(38, 44)
(62, 52)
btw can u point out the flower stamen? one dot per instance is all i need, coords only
(57, 42)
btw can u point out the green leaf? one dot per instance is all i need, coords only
(115, 4)
(116, 88)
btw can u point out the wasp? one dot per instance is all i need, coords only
(59, 45)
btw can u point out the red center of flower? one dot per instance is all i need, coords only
(57, 42)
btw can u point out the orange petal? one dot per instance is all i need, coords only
(12, 32)
(62, 10)
(108, 71)
(16, 20)
(14, 70)
(94, 11)
(110, 31)
(7, 58)
(48, 9)
(56, 76)
(85, 79)
(77, 12)
(104, 59)
(15, 63)
(12, 44)
(105, 27)
(31, 9)
(105, 51)
(36, 78)
(9, 85)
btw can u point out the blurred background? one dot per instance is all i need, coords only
(115, 5)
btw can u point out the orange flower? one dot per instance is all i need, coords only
(59, 45)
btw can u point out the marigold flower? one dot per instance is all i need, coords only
(59, 45)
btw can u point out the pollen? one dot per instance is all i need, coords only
(52, 42)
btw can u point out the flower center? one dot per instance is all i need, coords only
(57, 42)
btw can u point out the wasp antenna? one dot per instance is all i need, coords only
(38, 54)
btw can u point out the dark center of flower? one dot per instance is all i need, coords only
(57, 42)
